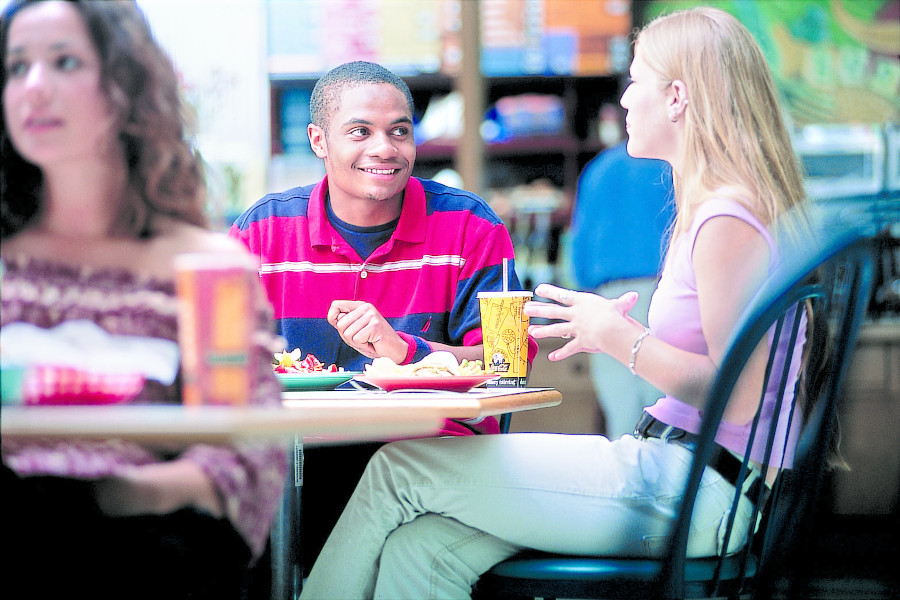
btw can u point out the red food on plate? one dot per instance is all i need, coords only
(290, 363)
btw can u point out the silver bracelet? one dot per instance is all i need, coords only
(635, 348)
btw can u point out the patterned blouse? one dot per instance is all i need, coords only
(248, 476)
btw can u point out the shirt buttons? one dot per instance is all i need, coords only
(363, 274)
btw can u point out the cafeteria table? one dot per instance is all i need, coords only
(305, 418)
(318, 417)
(173, 425)
(476, 403)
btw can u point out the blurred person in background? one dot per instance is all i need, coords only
(430, 516)
(100, 190)
(371, 262)
(623, 208)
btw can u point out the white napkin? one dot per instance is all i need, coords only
(84, 345)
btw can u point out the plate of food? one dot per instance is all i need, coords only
(448, 383)
(437, 371)
(295, 382)
(296, 374)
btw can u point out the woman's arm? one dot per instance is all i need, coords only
(730, 260)
(158, 489)
(240, 482)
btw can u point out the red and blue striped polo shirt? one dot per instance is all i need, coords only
(448, 246)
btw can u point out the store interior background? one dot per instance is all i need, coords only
(544, 92)
(514, 97)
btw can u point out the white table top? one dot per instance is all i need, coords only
(479, 402)
(320, 417)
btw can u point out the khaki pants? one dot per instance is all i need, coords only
(429, 516)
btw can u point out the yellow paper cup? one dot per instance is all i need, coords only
(504, 327)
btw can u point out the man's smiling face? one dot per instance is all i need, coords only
(368, 149)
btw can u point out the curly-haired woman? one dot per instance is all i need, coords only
(100, 190)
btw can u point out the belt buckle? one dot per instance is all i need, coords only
(643, 426)
(666, 432)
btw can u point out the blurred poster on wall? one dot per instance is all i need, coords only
(519, 37)
(554, 37)
(598, 30)
(834, 61)
(309, 37)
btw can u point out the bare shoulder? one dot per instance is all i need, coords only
(728, 234)
(175, 238)
(11, 246)
(179, 238)
(729, 250)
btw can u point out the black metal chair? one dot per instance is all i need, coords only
(839, 257)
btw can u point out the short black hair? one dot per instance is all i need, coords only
(326, 95)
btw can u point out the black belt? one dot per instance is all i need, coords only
(722, 461)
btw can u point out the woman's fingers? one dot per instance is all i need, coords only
(557, 294)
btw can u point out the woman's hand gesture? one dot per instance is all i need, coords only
(590, 322)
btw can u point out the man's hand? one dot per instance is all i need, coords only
(363, 328)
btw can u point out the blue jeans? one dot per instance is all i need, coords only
(430, 516)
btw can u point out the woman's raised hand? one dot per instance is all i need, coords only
(590, 322)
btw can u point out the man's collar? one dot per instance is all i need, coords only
(410, 228)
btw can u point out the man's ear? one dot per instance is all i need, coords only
(317, 140)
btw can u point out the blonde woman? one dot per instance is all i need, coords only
(430, 516)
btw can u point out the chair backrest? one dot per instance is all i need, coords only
(832, 273)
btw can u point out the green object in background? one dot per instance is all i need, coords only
(834, 61)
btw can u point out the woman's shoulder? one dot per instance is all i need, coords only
(23, 243)
(722, 204)
(153, 257)
(177, 237)
(726, 211)
(724, 226)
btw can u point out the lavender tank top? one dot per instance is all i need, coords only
(674, 318)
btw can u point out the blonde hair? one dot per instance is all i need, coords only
(736, 142)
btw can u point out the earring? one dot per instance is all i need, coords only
(673, 115)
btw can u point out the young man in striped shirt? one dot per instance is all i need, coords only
(371, 261)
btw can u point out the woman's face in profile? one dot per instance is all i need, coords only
(650, 131)
(55, 108)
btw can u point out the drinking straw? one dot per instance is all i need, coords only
(505, 275)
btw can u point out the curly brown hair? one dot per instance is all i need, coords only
(165, 173)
